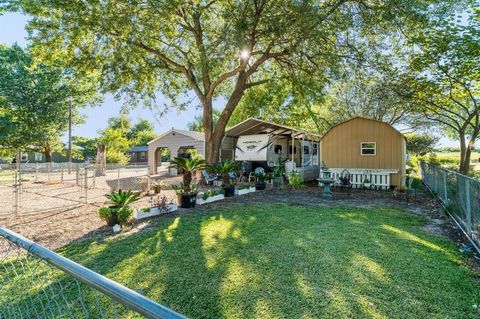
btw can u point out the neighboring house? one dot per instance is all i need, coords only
(367, 147)
(138, 154)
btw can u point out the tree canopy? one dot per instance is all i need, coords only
(210, 48)
(35, 99)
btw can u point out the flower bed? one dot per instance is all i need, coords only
(155, 211)
(210, 196)
(243, 191)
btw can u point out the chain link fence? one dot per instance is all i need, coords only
(52, 186)
(460, 194)
(38, 283)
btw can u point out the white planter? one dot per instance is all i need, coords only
(154, 211)
(244, 191)
(201, 201)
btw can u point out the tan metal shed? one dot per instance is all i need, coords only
(175, 141)
(365, 146)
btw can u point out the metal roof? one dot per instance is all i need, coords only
(364, 118)
(255, 126)
(143, 148)
(199, 136)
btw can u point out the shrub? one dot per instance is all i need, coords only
(105, 213)
(124, 214)
(295, 180)
(244, 186)
(122, 198)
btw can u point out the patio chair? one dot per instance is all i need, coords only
(345, 180)
(258, 170)
(209, 179)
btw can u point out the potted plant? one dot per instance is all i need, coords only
(278, 174)
(225, 170)
(187, 191)
(295, 179)
(367, 183)
(120, 211)
(261, 181)
(157, 187)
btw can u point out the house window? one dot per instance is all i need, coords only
(142, 155)
(38, 157)
(290, 150)
(24, 157)
(277, 149)
(306, 150)
(315, 149)
(368, 148)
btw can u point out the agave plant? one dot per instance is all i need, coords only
(122, 198)
(188, 165)
(224, 168)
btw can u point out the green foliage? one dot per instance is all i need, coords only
(262, 177)
(243, 186)
(421, 144)
(213, 192)
(116, 144)
(224, 168)
(188, 165)
(122, 198)
(197, 123)
(124, 214)
(295, 179)
(105, 213)
(88, 145)
(433, 159)
(35, 99)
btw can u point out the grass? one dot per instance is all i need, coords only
(281, 261)
(277, 261)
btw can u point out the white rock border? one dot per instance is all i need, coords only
(201, 201)
(154, 211)
(244, 191)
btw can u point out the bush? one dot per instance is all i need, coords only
(212, 192)
(124, 214)
(105, 213)
(295, 180)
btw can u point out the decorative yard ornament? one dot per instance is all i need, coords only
(326, 181)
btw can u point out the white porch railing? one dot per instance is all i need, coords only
(379, 178)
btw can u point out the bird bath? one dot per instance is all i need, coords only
(326, 181)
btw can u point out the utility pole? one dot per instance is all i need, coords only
(70, 136)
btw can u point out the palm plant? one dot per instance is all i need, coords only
(122, 198)
(188, 165)
(224, 168)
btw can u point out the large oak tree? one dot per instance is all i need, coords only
(210, 47)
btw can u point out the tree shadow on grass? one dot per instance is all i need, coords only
(278, 261)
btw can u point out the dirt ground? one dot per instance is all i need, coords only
(59, 227)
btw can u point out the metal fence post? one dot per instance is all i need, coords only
(445, 193)
(118, 177)
(61, 172)
(149, 186)
(93, 176)
(48, 171)
(86, 184)
(16, 190)
(468, 213)
(36, 172)
(77, 176)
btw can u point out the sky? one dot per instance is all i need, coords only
(12, 29)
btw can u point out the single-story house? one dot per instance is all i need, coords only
(365, 148)
(361, 147)
(138, 154)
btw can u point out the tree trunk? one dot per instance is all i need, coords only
(48, 154)
(213, 142)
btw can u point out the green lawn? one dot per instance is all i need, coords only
(280, 261)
